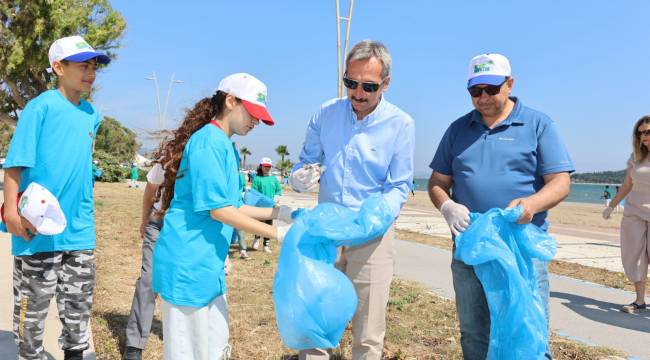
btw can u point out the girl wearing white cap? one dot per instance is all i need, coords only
(635, 238)
(202, 204)
(270, 187)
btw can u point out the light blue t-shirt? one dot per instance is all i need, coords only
(189, 255)
(491, 167)
(53, 143)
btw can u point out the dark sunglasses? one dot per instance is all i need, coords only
(491, 90)
(367, 86)
(643, 133)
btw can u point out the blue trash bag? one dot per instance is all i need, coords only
(253, 197)
(501, 252)
(313, 300)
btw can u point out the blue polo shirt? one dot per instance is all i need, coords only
(491, 167)
(190, 252)
(53, 145)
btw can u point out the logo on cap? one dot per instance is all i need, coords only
(83, 45)
(483, 67)
(261, 98)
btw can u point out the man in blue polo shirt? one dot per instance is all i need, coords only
(502, 154)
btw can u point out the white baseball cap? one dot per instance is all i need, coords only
(251, 92)
(75, 49)
(488, 69)
(42, 210)
(266, 162)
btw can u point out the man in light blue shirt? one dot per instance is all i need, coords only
(502, 154)
(356, 147)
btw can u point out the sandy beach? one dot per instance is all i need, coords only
(580, 215)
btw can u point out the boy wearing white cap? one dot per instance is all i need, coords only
(202, 202)
(52, 145)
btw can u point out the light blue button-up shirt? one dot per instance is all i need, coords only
(361, 158)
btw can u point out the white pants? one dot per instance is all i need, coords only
(192, 333)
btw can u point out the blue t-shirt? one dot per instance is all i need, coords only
(491, 167)
(53, 143)
(189, 255)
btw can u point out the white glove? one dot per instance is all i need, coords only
(306, 178)
(456, 215)
(284, 214)
(607, 212)
(281, 231)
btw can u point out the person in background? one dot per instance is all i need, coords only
(268, 185)
(607, 196)
(135, 173)
(144, 300)
(635, 237)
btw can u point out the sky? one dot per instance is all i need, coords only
(582, 62)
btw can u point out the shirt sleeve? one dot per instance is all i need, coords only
(207, 167)
(98, 123)
(442, 160)
(551, 151)
(156, 175)
(312, 148)
(23, 145)
(400, 169)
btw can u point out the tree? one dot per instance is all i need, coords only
(284, 166)
(244, 152)
(116, 140)
(28, 28)
(282, 151)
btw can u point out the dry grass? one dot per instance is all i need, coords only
(421, 325)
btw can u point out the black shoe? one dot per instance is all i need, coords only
(73, 355)
(132, 353)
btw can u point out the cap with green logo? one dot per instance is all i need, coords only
(488, 69)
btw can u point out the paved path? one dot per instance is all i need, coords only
(580, 310)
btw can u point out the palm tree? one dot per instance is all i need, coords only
(282, 151)
(243, 151)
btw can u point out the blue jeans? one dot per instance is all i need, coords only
(473, 311)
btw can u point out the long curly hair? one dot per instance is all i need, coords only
(170, 152)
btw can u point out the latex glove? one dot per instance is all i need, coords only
(281, 231)
(284, 214)
(456, 215)
(306, 178)
(607, 212)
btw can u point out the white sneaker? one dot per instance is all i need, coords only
(243, 255)
(267, 250)
(256, 244)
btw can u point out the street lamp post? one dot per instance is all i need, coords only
(162, 114)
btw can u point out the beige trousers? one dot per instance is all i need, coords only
(370, 268)
(635, 247)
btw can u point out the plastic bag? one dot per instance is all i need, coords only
(313, 300)
(253, 197)
(501, 252)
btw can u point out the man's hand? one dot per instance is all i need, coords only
(19, 226)
(284, 214)
(456, 215)
(529, 209)
(306, 178)
(607, 212)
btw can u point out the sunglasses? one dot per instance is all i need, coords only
(491, 90)
(367, 86)
(643, 133)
